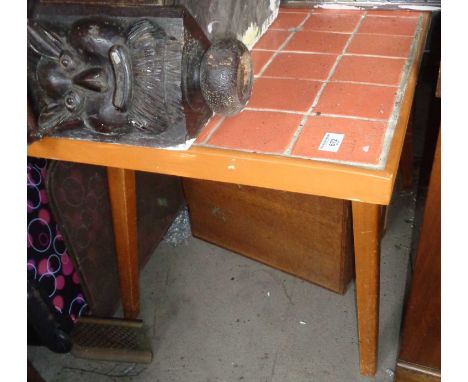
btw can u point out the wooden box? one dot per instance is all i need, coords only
(307, 236)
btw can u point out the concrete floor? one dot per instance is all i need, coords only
(215, 316)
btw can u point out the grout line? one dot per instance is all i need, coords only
(277, 51)
(309, 30)
(330, 115)
(334, 81)
(393, 120)
(290, 78)
(375, 56)
(313, 114)
(319, 93)
(387, 34)
(349, 12)
(294, 51)
(210, 134)
(364, 83)
(264, 109)
(332, 54)
(390, 11)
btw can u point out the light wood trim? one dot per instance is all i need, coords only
(268, 171)
(408, 373)
(366, 227)
(122, 193)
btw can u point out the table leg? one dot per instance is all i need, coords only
(121, 185)
(407, 156)
(366, 223)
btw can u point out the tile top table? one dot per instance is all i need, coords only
(328, 86)
(328, 115)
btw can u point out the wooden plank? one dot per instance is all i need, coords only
(123, 202)
(421, 330)
(366, 227)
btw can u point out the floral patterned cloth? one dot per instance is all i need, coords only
(48, 260)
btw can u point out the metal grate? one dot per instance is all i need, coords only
(111, 339)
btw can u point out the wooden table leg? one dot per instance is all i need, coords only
(407, 156)
(366, 223)
(121, 185)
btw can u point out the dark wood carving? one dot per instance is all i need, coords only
(141, 75)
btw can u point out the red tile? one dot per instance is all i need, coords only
(259, 59)
(212, 124)
(320, 42)
(368, 101)
(380, 45)
(392, 13)
(377, 70)
(283, 94)
(258, 131)
(389, 25)
(288, 20)
(272, 39)
(362, 141)
(301, 66)
(332, 22)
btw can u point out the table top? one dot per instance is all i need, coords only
(331, 100)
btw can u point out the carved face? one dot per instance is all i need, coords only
(85, 80)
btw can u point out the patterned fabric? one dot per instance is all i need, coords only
(48, 260)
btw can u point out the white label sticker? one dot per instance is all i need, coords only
(331, 142)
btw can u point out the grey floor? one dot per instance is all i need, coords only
(214, 316)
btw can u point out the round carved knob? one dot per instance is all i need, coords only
(226, 76)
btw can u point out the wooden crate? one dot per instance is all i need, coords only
(307, 236)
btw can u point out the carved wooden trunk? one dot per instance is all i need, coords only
(307, 236)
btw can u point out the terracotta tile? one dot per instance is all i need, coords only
(272, 39)
(332, 22)
(391, 46)
(301, 66)
(389, 25)
(392, 13)
(362, 141)
(259, 59)
(357, 100)
(283, 94)
(267, 132)
(320, 42)
(212, 123)
(377, 70)
(288, 20)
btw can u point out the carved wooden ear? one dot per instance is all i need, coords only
(51, 117)
(226, 76)
(43, 42)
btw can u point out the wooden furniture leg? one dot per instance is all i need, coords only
(366, 228)
(407, 156)
(122, 194)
